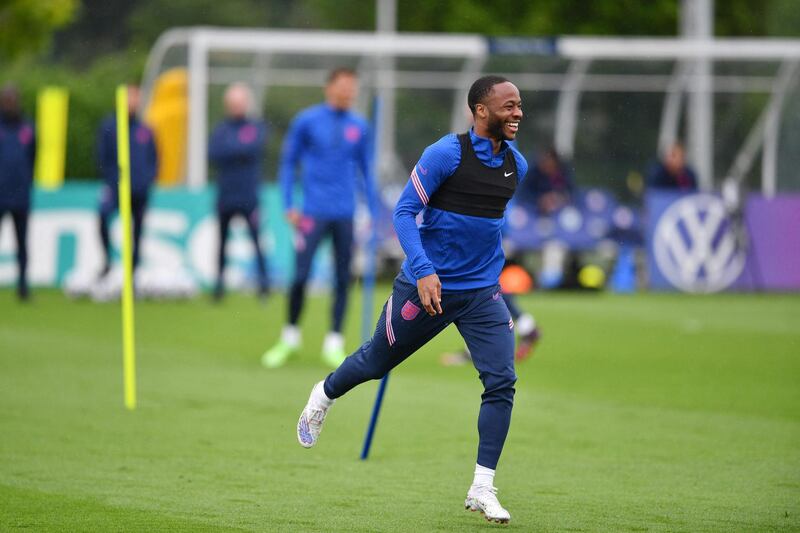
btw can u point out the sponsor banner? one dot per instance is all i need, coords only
(181, 234)
(696, 244)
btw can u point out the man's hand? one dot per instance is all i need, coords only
(293, 216)
(430, 294)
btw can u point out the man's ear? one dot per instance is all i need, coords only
(480, 111)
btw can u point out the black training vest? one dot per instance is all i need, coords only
(475, 189)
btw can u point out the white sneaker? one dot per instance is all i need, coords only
(310, 424)
(484, 499)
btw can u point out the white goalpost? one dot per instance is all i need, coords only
(673, 69)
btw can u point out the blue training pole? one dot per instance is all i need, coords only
(369, 291)
(373, 421)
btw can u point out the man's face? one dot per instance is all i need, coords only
(502, 111)
(134, 97)
(675, 159)
(342, 91)
(9, 101)
(549, 165)
(237, 101)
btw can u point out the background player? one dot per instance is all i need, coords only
(672, 172)
(144, 165)
(17, 156)
(331, 145)
(527, 331)
(453, 262)
(237, 150)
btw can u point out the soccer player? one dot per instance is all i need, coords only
(672, 172)
(17, 155)
(461, 184)
(550, 186)
(237, 150)
(144, 164)
(332, 145)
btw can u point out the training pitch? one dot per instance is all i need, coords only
(636, 413)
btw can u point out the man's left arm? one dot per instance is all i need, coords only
(152, 158)
(32, 148)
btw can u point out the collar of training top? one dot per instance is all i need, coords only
(483, 145)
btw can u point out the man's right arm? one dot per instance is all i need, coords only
(290, 158)
(437, 163)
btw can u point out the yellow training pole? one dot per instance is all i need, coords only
(124, 159)
(52, 106)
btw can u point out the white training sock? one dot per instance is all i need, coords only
(319, 397)
(333, 341)
(525, 324)
(291, 335)
(484, 477)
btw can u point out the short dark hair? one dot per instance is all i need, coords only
(481, 89)
(341, 71)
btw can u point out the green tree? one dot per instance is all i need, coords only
(27, 25)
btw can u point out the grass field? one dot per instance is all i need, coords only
(637, 413)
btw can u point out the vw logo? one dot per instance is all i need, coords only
(695, 247)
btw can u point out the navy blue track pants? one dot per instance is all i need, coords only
(484, 322)
(309, 234)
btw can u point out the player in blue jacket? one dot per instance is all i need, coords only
(461, 184)
(332, 147)
(144, 165)
(237, 150)
(672, 172)
(17, 155)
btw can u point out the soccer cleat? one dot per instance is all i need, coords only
(277, 355)
(333, 356)
(310, 424)
(526, 344)
(484, 499)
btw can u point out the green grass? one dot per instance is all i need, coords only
(637, 413)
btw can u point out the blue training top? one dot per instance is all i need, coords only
(331, 146)
(144, 159)
(17, 155)
(464, 251)
(236, 149)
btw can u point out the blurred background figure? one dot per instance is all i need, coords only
(525, 327)
(144, 165)
(332, 145)
(672, 172)
(17, 156)
(236, 150)
(550, 185)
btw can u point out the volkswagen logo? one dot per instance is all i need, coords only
(695, 247)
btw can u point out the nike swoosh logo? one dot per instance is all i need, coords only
(507, 174)
(423, 170)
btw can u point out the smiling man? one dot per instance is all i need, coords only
(462, 184)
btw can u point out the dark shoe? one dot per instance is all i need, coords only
(526, 344)
(219, 292)
(23, 293)
(263, 291)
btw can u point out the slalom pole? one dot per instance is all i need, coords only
(369, 290)
(124, 160)
(373, 421)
